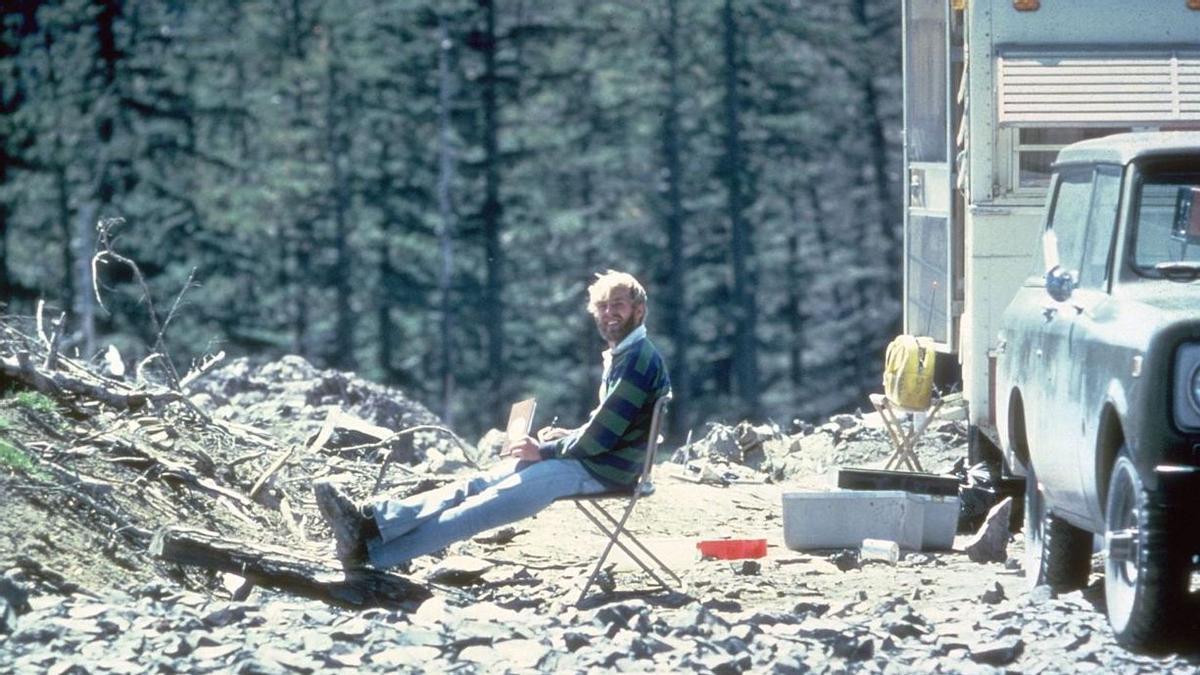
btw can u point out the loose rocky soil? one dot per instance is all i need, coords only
(75, 525)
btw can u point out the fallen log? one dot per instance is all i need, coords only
(56, 383)
(286, 570)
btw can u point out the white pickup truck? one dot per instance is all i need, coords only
(1098, 381)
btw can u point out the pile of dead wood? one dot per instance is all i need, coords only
(181, 486)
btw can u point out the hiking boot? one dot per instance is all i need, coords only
(346, 520)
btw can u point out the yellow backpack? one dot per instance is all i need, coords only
(908, 372)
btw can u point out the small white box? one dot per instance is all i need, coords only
(843, 518)
(939, 520)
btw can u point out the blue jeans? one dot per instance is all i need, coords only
(511, 491)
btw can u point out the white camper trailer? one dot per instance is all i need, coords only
(993, 89)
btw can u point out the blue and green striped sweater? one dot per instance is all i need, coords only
(612, 444)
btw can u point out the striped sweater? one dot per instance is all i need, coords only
(612, 444)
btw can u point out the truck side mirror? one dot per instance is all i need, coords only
(1059, 283)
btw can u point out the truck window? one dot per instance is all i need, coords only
(1166, 206)
(1072, 202)
(1101, 221)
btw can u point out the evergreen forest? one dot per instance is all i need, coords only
(420, 191)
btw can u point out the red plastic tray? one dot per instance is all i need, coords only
(733, 549)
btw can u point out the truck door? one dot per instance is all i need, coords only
(1060, 415)
(929, 167)
(1090, 321)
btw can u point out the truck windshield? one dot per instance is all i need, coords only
(1167, 218)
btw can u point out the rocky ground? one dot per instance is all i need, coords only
(84, 486)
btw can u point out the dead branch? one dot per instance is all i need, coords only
(206, 365)
(106, 253)
(322, 437)
(82, 493)
(387, 441)
(187, 285)
(59, 383)
(284, 569)
(141, 455)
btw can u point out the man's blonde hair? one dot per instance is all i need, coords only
(611, 280)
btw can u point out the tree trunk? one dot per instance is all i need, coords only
(493, 292)
(797, 282)
(743, 309)
(336, 151)
(83, 304)
(445, 182)
(62, 201)
(6, 289)
(675, 298)
(883, 209)
(301, 246)
(385, 300)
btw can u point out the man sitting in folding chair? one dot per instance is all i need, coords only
(607, 453)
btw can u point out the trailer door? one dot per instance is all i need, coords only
(929, 166)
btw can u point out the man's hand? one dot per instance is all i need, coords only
(552, 433)
(525, 450)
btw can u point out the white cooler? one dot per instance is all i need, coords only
(843, 518)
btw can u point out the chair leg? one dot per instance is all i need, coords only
(637, 542)
(614, 538)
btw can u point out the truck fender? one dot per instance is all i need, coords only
(1110, 438)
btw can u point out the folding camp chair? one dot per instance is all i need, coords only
(904, 430)
(615, 529)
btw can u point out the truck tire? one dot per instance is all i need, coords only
(1057, 554)
(1145, 579)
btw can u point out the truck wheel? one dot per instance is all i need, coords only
(1057, 554)
(1145, 581)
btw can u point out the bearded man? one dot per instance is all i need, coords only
(606, 453)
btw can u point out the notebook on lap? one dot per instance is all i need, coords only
(520, 419)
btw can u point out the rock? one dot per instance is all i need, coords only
(823, 629)
(903, 629)
(844, 422)
(14, 601)
(647, 646)
(720, 444)
(770, 618)
(498, 537)
(722, 664)
(816, 609)
(626, 615)
(853, 647)
(458, 570)
(749, 568)
(406, 656)
(301, 663)
(316, 641)
(694, 619)
(488, 448)
(351, 629)
(575, 640)
(214, 652)
(990, 543)
(521, 653)
(89, 611)
(1040, 595)
(845, 560)
(997, 653)
(993, 595)
(225, 616)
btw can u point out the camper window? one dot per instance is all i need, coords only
(1034, 150)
